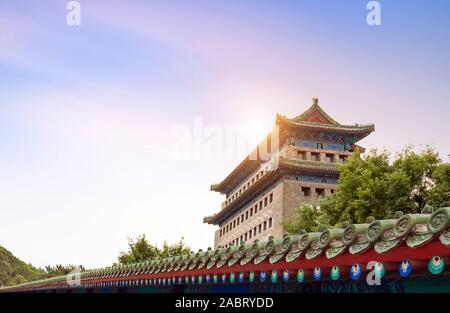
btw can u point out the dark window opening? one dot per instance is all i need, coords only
(301, 155)
(306, 191)
(320, 192)
(315, 156)
(330, 157)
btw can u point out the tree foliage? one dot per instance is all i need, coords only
(59, 269)
(14, 271)
(374, 186)
(141, 250)
(309, 218)
(438, 195)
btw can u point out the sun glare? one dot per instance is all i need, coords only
(257, 128)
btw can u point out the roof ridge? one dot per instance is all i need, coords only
(368, 126)
(315, 107)
(403, 232)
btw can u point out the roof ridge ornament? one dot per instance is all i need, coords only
(382, 236)
(315, 115)
(427, 209)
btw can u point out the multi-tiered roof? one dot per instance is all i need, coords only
(314, 119)
(313, 123)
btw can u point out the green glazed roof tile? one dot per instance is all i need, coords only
(439, 220)
(413, 230)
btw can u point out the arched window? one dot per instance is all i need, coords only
(319, 145)
(324, 181)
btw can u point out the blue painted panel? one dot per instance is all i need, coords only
(313, 145)
(330, 179)
(318, 179)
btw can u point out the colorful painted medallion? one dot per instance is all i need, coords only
(274, 276)
(262, 277)
(241, 277)
(286, 276)
(335, 273)
(317, 273)
(355, 271)
(405, 268)
(379, 270)
(300, 276)
(232, 278)
(251, 277)
(436, 265)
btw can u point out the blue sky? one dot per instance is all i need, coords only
(86, 113)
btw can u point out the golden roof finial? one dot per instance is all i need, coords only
(315, 101)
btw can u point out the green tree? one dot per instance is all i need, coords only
(310, 219)
(439, 194)
(419, 168)
(59, 269)
(369, 186)
(141, 250)
(175, 249)
(374, 186)
(13, 271)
